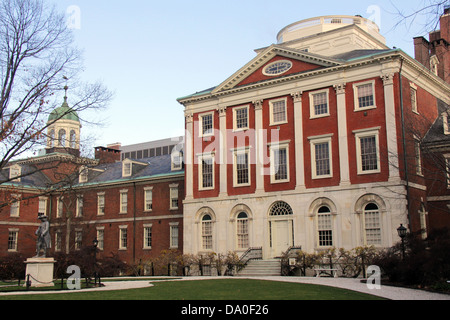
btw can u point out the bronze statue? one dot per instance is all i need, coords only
(43, 237)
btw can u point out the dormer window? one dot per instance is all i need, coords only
(446, 122)
(14, 172)
(83, 177)
(130, 167)
(176, 160)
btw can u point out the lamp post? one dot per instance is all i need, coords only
(402, 234)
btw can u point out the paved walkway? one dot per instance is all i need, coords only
(389, 292)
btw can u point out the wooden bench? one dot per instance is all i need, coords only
(327, 271)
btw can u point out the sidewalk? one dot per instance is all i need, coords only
(388, 292)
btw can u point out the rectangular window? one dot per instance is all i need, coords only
(240, 118)
(414, 99)
(42, 206)
(242, 233)
(364, 95)
(12, 239)
(148, 195)
(278, 112)
(123, 238)
(279, 163)
(59, 207)
(207, 235)
(147, 236)
(372, 227)
(124, 201)
(100, 204)
(321, 160)
(368, 157)
(418, 155)
(78, 239)
(207, 172)
(207, 124)
(174, 236)
(241, 168)
(319, 104)
(58, 241)
(324, 223)
(101, 239)
(174, 197)
(15, 205)
(79, 210)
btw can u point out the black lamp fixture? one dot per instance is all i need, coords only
(402, 234)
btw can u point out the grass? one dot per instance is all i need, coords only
(218, 289)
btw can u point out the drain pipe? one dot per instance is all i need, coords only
(405, 162)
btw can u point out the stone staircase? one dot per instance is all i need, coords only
(271, 267)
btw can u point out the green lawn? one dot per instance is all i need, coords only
(218, 289)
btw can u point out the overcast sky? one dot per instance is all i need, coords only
(149, 53)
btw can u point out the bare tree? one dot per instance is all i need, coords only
(37, 59)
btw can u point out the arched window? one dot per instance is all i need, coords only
(372, 225)
(325, 226)
(207, 232)
(280, 208)
(51, 138)
(73, 139)
(242, 230)
(62, 138)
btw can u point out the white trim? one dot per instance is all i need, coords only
(313, 141)
(236, 152)
(200, 124)
(200, 157)
(362, 133)
(355, 95)
(271, 102)
(272, 148)
(234, 109)
(312, 114)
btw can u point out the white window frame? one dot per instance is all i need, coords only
(83, 174)
(148, 199)
(173, 195)
(200, 124)
(418, 156)
(312, 109)
(147, 235)
(445, 122)
(58, 241)
(413, 89)
(100, 203)
(272, 121)
(313, 141)
(59, 207)
(279, 146)
(174, 235)
(127, 168)
(15, 206)
(235, 109)
(242, 231)
(201, 157)
(14, 172)
(355, 94)
(100, 236)
(236, 153)
(369, 132)
(42, 205)
(123, 235)
(207, 239)
(328, 215)
(79, 208)
(365, 226)
(176, 160)
(14, 241)
(123, 201)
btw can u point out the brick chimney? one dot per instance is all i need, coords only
(107, 155)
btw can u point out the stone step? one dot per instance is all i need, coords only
(270, 267)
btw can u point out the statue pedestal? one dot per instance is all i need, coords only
(40, 271)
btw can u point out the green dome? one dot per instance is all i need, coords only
(64, 112)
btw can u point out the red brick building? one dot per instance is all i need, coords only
(314, 143)
(132, 207)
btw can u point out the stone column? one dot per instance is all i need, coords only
(342, 134)
(298, 132)
(188, 149)
(260, 150)
(223, 154)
